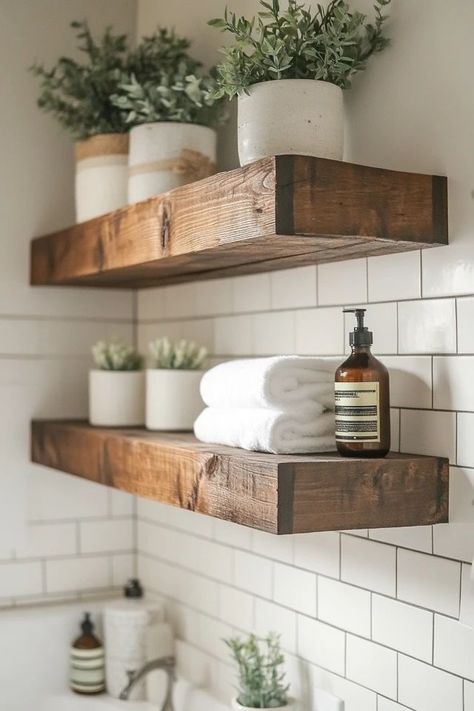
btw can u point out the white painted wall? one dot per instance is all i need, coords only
(79, 537)
(372, 617)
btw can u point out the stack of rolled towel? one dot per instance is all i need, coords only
(282, 404)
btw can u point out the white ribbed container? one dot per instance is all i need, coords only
(173, 400)
(117, 398)
(126, 623)
(291, 116)
(101, 175)
(165, 155)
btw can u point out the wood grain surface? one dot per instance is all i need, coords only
(275, 493)
(276, 213)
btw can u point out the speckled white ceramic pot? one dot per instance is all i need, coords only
(291, 116)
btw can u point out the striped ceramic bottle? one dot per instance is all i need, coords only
(87, 661)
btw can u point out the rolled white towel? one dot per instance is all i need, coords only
(266, 430)
(278, 382)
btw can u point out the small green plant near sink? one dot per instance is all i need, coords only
(181, 355)
(261, 681)
(116, 355)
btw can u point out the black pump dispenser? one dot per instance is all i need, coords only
(360, 336)
(133, 588)
(87, 626)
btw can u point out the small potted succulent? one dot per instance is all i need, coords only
(172, 384)
(261, 683)
(78, 95)
(116, 386)
(289, 68)
(166, 99)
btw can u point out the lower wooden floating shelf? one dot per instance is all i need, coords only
(275, 493)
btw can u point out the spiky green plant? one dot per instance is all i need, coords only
(261, 681)
(163, 82)
(182, 355)
(330, 43)
(116, 355)
(78, 94)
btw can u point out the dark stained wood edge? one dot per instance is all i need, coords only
(276, 494)
(440, 209)
(383, 494)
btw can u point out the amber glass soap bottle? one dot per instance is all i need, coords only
(362, 398)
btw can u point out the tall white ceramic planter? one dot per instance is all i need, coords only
(238, 707)
(101, 174)
(173, 400)
(117, 398)
(291, 116)
(165, 155)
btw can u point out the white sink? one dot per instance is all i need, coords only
(74, 702)
(185, 698)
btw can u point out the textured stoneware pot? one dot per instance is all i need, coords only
(238, 707)
(291, 116)
(172, 398)
(101, 174)
(166, 155)
(117, 398)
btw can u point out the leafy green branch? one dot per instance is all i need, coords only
(329, 43)
(78, 94)
(164, 83)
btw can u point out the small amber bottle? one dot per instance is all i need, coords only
(362, 397)
(87, 661)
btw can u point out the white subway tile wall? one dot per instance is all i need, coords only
(367, 614)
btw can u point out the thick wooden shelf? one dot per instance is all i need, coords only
(278, 494)
(279, 212)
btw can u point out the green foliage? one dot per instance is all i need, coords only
(164, 83)
(115, 355)
(261, 683)
(78, 94)
(182, 355)
(329, 43)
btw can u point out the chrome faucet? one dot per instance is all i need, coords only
(168, 665)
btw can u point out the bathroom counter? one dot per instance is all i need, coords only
(275, 493)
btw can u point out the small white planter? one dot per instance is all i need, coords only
(117, 398)
(173, 400)
(165, 155)
(291, 116)
(101, 174)
(238, 707)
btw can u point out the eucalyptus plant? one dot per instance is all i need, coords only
(78, 94)
(182, 355)
(330, 43)
(261, 681)
(116, 355)
(163, 82)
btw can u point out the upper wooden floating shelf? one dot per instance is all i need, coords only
(274, 493)
(276, 213)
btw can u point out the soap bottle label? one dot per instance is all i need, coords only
(357, 412)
